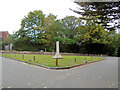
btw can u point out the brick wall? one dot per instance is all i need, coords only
(3, 35)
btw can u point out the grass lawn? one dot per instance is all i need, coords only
(47, 60)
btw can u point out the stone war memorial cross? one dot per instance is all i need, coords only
(57, 55)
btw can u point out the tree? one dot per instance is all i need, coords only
(36, 29)
(51, 28)
(31, 30)
(105, 13)
(115, 45)
(67, 34)
(69, 31)
(108, 12)
(93, 36)
(32, 26)
(7, 41)
(92, 32)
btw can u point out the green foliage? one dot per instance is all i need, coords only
(32, 26)
(50, 28)
(75, 34)
(8, 40)
(106, 12)
(93, 33)
(68, 33)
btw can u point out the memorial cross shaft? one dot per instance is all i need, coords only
(57, 55)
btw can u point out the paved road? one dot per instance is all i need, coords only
(103, 74)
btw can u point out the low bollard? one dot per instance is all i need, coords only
(34, 58)
(15, 54)
(75, 60)
(85, 60)
(23, 56)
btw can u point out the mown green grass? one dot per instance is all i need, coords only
(48, 60)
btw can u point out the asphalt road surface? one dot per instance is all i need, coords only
(103, 74)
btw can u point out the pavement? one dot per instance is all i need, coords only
(103, 74)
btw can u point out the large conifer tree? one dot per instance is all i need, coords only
(106, 12)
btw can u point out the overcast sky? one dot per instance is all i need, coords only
(12, 11)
